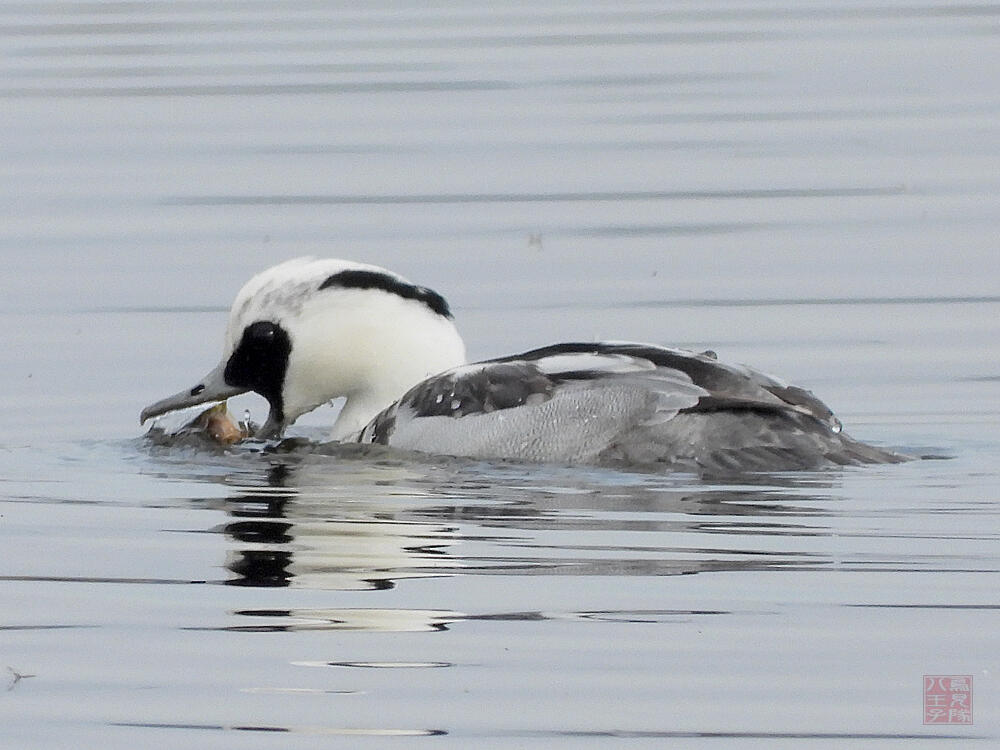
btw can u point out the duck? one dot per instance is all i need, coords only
(309, 331)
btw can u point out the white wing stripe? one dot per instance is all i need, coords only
(592, 362)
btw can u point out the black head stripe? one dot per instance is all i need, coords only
(361, 279)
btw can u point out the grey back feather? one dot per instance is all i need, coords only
(618, 403)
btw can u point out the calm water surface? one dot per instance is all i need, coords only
(811, 188)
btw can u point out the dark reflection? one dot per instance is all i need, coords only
(261, 568)
(363, 518)
(284, 534)
(257, 532)
(264, 562)
(390, 620)
(414, 620)
(366, 518)
(309, 730)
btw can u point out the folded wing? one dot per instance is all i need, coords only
(618, 403)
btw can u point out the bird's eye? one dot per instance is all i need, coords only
(262, 330)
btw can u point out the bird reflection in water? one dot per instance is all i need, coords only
(289, 537)
(352, 525)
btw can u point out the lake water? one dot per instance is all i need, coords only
(812, 188)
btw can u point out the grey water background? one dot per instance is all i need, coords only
(809, 187)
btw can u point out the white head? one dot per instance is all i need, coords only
(308, 331)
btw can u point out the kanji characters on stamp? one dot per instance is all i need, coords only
(947, 699)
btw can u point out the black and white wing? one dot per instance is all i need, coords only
(546, 405)
(617, 403)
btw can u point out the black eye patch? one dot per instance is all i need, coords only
(260, 361)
